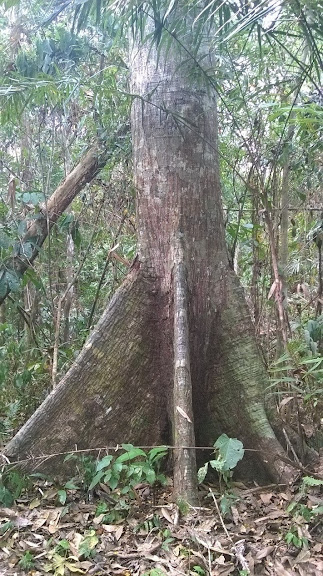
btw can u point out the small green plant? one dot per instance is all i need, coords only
(63, 547)
(293, 537)
(101, 508)
(27, 562)
(300, 510)
(167, 539)
(62, 494)
(121, 474)
(85, 470)
(308, 481)
(300, 369)
(130, 468)
(12, 485)
(198, 570)
(88, 544)
(152, 523)
(303, 514)
(5, 527)
(228, 452)
(119, 509)
(227, 499)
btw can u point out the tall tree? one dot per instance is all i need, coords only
(180, 319)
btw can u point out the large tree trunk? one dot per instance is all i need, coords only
(120, 389)
(112, 393)
(177, 177)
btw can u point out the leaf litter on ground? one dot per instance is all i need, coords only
(255, 534)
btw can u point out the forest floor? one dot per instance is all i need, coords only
(267, 531)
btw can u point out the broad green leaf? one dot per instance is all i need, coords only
(133, 453)
(117, 466)
(202, 472)
(5, 240)
(219, 465)
(13, 280)
(22, 227)
(156, 454)
(113, 482)
(97, 478)
(27, 250)
(151, 476)
(309, 481)
(62, 495)
(33, 198)
(231, 451)
(104, 463)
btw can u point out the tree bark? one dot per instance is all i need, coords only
(113, 391)
(185, 473)
(177, 177)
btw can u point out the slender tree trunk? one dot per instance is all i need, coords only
(185, 473)
(256, 265)
(39, 229)
(70, 249)
(69, 278)
(283, 240)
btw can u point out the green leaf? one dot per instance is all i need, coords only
(76, 236)
(65, 221)
(230, 449)
(107, 476)
(117, 467)
(27, 249)
(156, 454)
(33, 198)
(150, 476)
(133, 453)
(31, 276)
(70, 485)
(104, 463)
(63, 544)
(202, 472)
(219, 465)
(96, 479)
(13, 280)
(6, 497)
(309, 481)
(5, 240)
(113, 482)
(69, 457)
(127, 447)
(6, 526)
(22, 227)
(62, 495)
